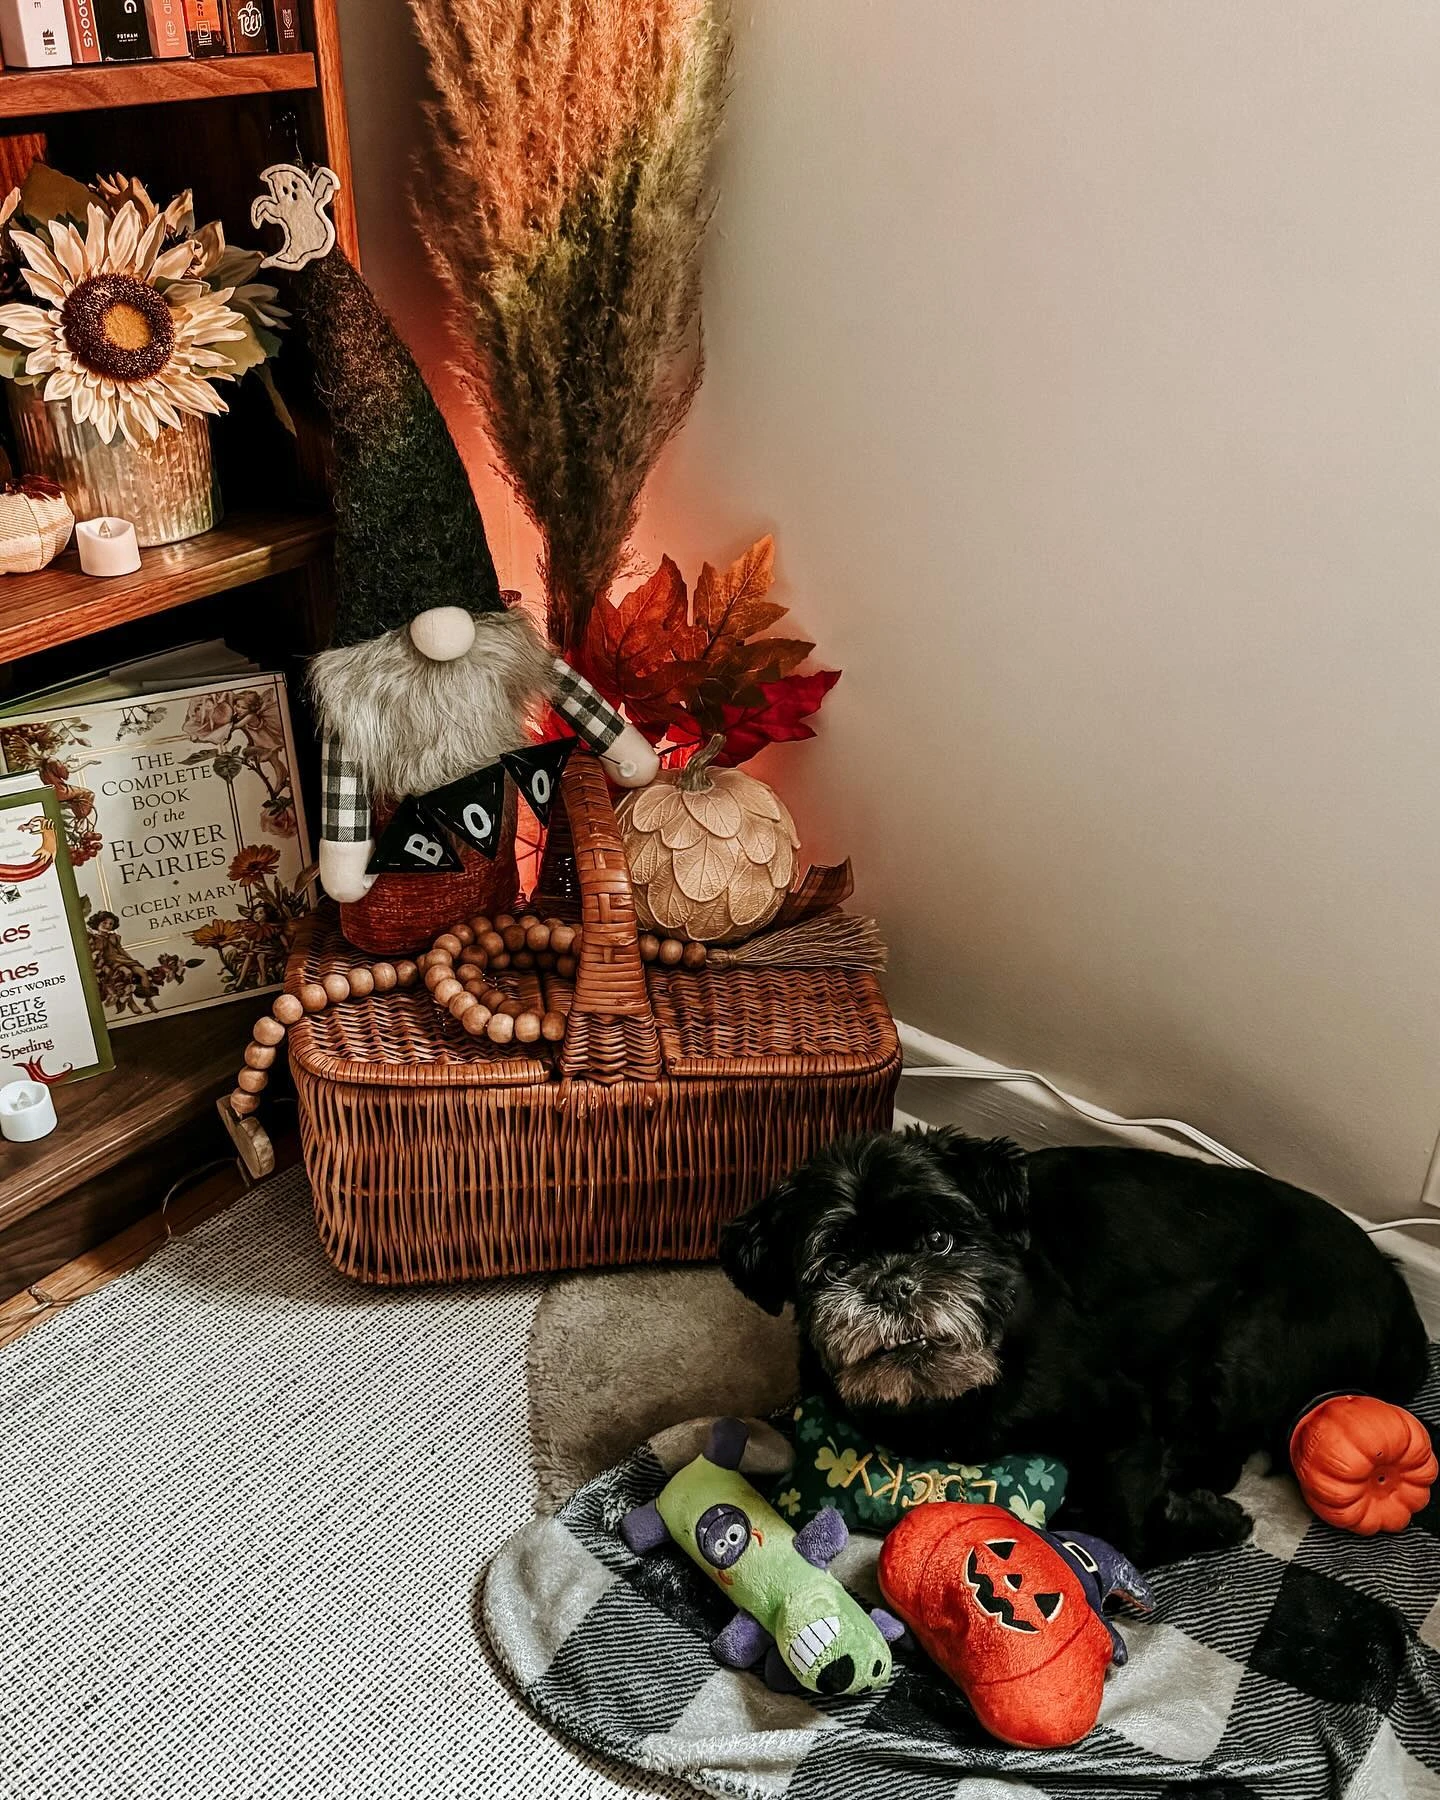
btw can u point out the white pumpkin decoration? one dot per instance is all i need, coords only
(711, 851)
(35, 524)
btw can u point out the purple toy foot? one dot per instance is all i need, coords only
(777, 1676)
(889, 1627)
(742, 1643)
(726, 1443)
(643, 1529)
(822, 1540)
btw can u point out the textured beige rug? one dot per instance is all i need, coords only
(616, 1356)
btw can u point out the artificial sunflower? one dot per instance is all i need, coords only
(119, 330)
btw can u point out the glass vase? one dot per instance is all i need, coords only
(167, 490)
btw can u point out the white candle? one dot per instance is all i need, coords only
(107, 546)
(26, 1112)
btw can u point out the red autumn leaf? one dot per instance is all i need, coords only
(629, 648)
(787, 704)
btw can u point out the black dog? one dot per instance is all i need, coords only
(1149, 1319)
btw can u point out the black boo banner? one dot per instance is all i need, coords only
(417, 841)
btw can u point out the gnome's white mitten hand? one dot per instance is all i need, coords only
(342, 869)
(629, 760)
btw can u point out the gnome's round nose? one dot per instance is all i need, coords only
(443, 633)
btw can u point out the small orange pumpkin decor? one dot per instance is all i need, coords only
(1363, 1464)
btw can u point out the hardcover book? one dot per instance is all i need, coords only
(84, 43)
(285, 25)
(203, 29)
(52, 1027)
(120, 25)
(244, 27)
(184, 826)
(34, 35)
(166, 19)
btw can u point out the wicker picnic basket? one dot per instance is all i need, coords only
(677, 1098)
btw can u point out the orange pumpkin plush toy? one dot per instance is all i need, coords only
(1362, 1464)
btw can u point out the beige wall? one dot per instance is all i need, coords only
(1084, 359)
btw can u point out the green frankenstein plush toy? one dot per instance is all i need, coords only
(872, 1488)
(793, 1614)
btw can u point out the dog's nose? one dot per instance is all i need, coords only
(894, 1290)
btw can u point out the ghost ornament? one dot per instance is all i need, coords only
(429, 678)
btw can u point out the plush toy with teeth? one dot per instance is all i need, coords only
(429, 678)
(794, 1617)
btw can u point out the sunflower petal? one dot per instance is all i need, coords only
(27, 325)
(37, 253)
(124, 235)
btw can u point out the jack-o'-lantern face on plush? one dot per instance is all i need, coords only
(1009, 1585)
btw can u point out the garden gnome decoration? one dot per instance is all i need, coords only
(429, 679)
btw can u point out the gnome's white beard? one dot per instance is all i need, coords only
(411, 724)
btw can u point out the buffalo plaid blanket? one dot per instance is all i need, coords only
(1305, 1664)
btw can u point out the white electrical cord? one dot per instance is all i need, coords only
(1100, 1115)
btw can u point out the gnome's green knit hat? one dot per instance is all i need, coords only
(408, 534)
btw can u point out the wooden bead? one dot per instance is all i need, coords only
(503, 921)
(480, 924)
(313, 997)
(405, 973)
(492, 943)
(473, 965)
(526, 920)
(288, 1009)
(463, 932)
(252, 1081)
(671, 950)
(493, 997)
(460, 1003)
(384, 974)
(269, 1031)
(523, 959)
(243, 1104)
(435, 974)
(447, 990)
(527, 1028)
(477, 988)
(476, 1019)
(449, 943)
(694, 957)
(258, 1056)
(538, 937)
(565, 966)
(544, 959)
(552, 1027)
(337, 988)
(502, 961)
(362, 982)
(561, 938)
(511, 1009)
(501, 1029)
(514, 936)
(649, 946)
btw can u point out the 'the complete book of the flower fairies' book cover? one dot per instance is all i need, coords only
(184, 828)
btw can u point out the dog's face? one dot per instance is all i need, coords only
(902, 1257)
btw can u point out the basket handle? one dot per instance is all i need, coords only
(611, 1033)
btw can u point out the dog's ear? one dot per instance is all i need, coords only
(757, 1250)
(992, 1171)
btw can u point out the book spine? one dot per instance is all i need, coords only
(245, 33)
(166, 19)
(120, 25)
(33, 34)
(203, 28)
(285, 26)
(84, 43)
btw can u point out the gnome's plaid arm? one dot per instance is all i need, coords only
(592, 715)
(344, 797)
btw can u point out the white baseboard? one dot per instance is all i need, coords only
(1029, 1113)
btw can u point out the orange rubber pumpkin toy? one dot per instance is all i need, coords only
(1362, 1464)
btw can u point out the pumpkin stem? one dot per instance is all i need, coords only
(694, 778)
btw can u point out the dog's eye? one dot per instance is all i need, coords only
(836, 1266)
(939, 1241)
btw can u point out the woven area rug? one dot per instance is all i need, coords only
(246, 1509)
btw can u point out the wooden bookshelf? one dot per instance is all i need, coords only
(210, 125)
(60, 603)
(24, 93)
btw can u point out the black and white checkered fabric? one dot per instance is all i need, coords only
(1303, 1666)
(344, 797)
(592, 715)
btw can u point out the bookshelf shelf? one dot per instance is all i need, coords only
(168, 1073)
(33, 93)
(60, 604)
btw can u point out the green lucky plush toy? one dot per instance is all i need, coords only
(793, 1614)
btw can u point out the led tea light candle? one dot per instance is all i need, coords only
(107, 546)
(26, 1111)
